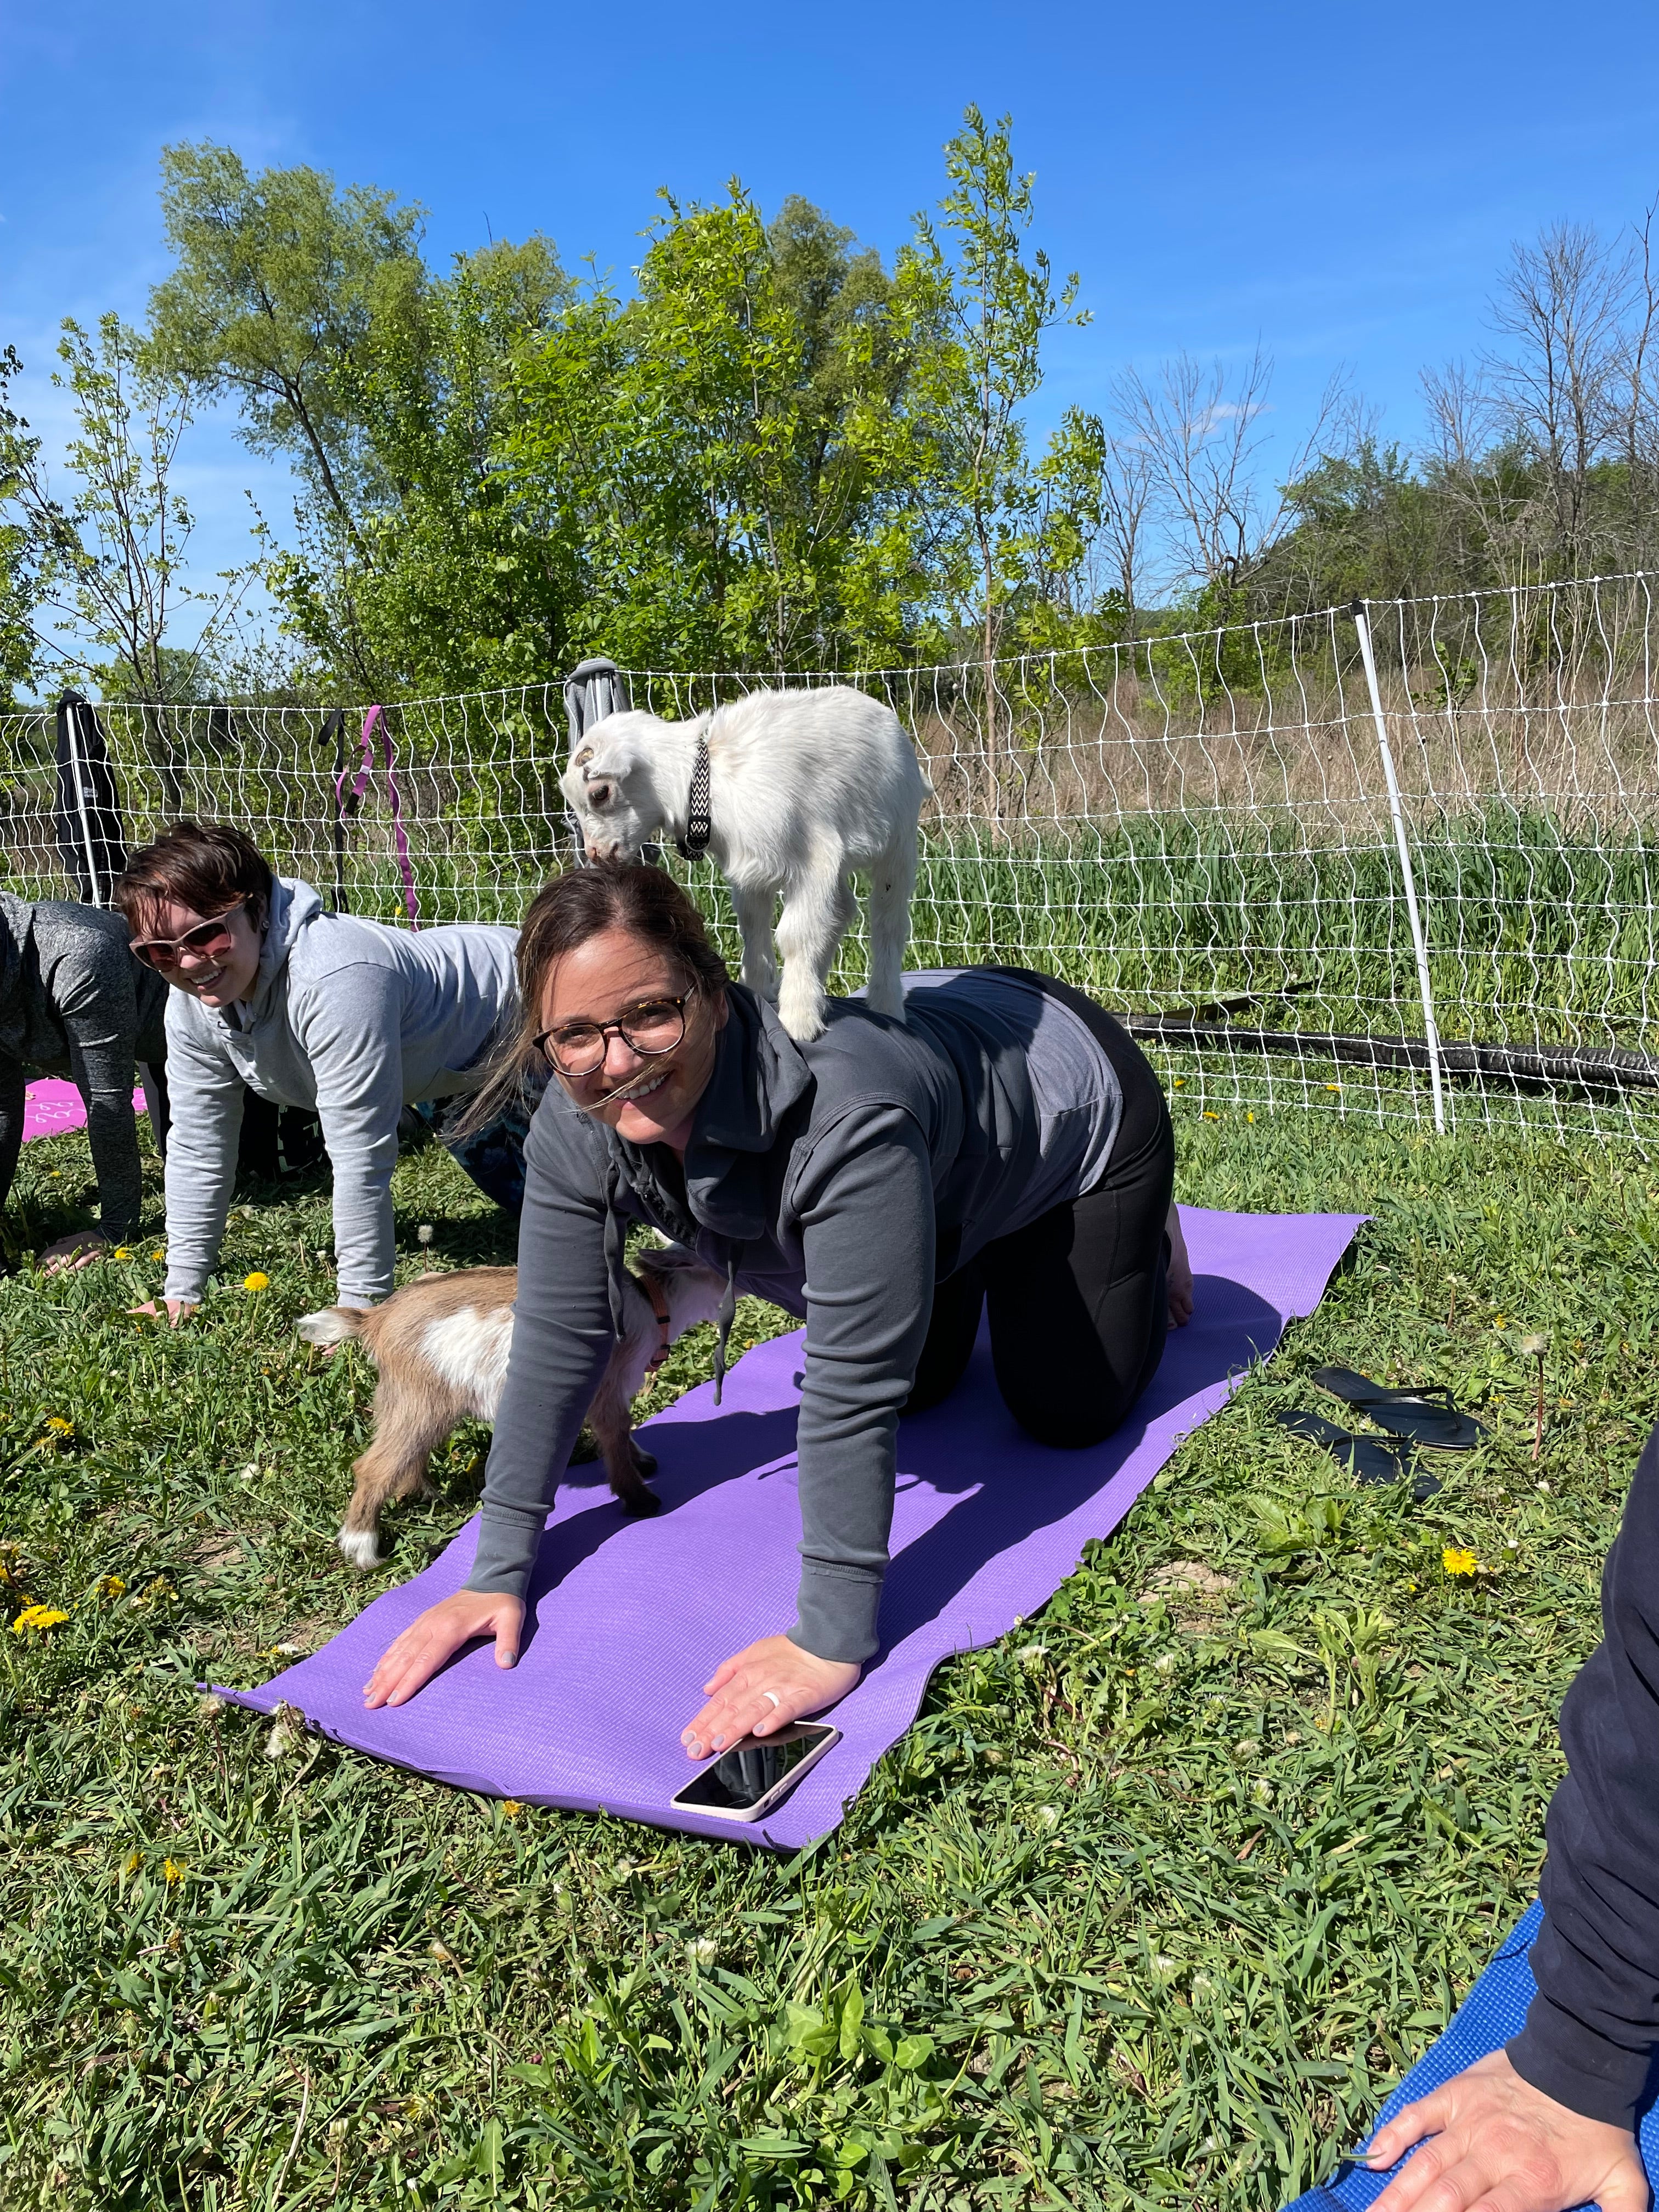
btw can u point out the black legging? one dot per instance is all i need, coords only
(1079, 1303)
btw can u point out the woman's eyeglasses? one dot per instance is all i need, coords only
(650, 1029)
(207, 940)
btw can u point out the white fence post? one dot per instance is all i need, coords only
(1362, 623)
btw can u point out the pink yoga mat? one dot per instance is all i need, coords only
(50, 1106)
(628, 1618)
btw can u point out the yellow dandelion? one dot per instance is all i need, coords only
(58, 1425)
(174, 1870)
(110, 1587)
(1250, 1117)
(1500, 1320)
(510, 1808)
(1180, 1082)
(256, 1281)
(158, 1255)
(1333, 1086)
(1456, 1561)
(124, 1252)
(1212, 1117)
(131, 1863)
(36, 1619)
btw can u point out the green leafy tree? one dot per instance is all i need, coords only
(987, 306)
(21, 549)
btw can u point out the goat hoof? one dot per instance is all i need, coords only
(643, 1506)
(361, 1545)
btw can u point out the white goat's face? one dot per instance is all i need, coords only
(609, 790)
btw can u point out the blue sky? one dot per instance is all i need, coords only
(1341, 183)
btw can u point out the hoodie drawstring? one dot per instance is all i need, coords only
(723, 1321)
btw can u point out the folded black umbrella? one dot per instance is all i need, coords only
(92, 841)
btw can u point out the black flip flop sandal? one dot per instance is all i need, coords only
(1368, 1459)
(1426, 1416)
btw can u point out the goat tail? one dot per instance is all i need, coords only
(333, 1324)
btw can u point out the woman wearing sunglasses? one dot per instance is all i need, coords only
(353, 1019)
(1009, 1144)
(73, 1003)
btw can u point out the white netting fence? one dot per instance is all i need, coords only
(1198, 829)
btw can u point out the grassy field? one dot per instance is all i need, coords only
(1156, 1897)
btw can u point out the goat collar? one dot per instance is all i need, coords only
(699, 823)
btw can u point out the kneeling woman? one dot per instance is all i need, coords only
(351, 1019)
(1009, 1144)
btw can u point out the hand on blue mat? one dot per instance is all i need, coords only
(431, 1641)
(764, 1687)
(1496, 2144)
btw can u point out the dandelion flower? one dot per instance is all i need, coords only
(1456, 1561)
(250, 1472)
(1333, 1086)
(124, 1252)
(174, 1871)
(208, 1707)
(1533, 1347)
(424, 1232)
(1212, 1117)
(58, 1425)
(704, 1951)
(36, 1619)
(1180, 1082)
(282, 1739)
(158, 1255)
(510, 1808)
(110, 1587)
(1500, 1320)
(131, 1863)
(256, 1281)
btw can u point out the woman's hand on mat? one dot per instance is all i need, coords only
(764, 1688)
(424, 1646)
(176, 1309)
(1178, 1275)
(1496, 2144)
(78, 1250)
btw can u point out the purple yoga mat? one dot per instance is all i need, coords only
(50, 1106)
(628, 1619)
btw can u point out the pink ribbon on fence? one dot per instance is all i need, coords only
(376, 718)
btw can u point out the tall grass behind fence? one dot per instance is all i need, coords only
(1195, 824)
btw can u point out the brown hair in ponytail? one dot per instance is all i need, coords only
(583, 903)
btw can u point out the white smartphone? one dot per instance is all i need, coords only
(746, 1782)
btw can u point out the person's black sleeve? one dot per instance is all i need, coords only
(1594, 2025)
(867, 1227)
(563, 1338)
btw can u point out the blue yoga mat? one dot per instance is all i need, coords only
(1493, 2011)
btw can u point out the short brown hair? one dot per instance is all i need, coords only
(204, 865)
(582, 903)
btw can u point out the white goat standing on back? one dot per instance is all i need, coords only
(800, 789)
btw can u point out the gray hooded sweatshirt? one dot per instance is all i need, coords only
(839, 1179)
(352, 1019)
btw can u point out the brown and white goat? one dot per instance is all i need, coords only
(441, 1345)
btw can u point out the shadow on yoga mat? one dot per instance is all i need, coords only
(1493, 2011)
(628, 1619)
